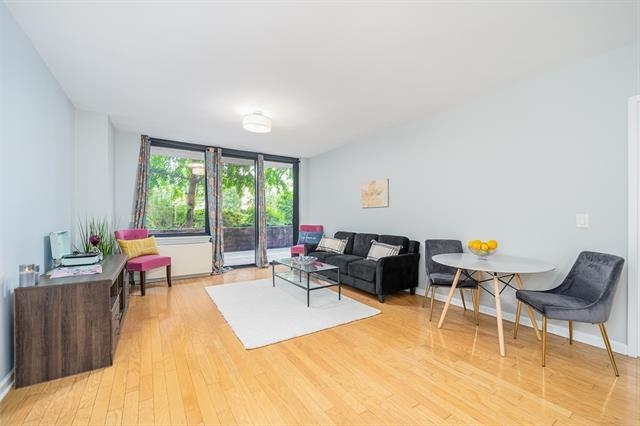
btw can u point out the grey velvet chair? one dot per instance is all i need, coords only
(439, 275)
(585, 295)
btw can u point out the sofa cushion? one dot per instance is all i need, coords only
(322, 255)
(362, 243)
(363, 269)
(334, 245)
(348, 236)
(342, 261)
(379, 250)
(396, 240)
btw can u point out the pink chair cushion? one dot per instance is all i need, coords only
(298, 249)
(145, 263)
(131, 234)
(311, 228)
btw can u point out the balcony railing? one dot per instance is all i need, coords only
(242, 238)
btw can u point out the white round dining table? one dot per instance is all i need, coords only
(503, 269)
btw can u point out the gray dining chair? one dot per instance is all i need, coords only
(585, 295)
(439, 275)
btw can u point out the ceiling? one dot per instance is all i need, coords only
(326, 72)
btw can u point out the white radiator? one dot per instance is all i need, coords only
(186, 259)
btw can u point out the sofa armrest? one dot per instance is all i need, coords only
(308, 248)
(396, 273)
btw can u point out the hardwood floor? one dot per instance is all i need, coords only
(179, 363)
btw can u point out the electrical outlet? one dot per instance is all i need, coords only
(582, 220)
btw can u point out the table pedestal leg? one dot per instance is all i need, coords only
(496, 289)
(530, 313)
(448, 302)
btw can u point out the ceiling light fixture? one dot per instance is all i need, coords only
(256, 123)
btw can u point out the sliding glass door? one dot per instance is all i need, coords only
(238, 210)
(279, 196)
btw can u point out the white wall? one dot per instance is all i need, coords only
(36, 134)
(94, 166)
(303, 197)
(516, 165)
(127, 150)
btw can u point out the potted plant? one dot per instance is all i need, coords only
(96, 235)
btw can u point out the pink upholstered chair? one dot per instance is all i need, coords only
(298, 249)
(144, 263)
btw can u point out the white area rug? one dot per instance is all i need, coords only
(260, 314)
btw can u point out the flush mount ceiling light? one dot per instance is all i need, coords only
(256, 123)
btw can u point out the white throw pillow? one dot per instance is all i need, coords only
(379, 250)
(333, 245)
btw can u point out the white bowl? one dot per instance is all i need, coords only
(483, 254)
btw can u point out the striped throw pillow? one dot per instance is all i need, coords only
(379, 250)
(332, 245)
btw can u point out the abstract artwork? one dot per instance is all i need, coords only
(374, 193)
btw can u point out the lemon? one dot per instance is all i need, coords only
(477, 245)
(484, 247)
(493, 244)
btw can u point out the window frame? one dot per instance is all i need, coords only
(161, 144)
(235, 153)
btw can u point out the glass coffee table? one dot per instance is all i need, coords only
(299, 274)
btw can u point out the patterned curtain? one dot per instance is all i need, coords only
(213, 167)
(142, 182)
(261, 249)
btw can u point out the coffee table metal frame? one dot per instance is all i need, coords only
(307, 270)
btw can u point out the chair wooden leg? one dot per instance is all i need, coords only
(517, 324)
(426, 295)
(433, 298)
(142, 281)
(605, 337)
(169, 275)
(532, 316)
(464, 305)
(544, 340)
(571, 332)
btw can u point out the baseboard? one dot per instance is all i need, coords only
(6, 384)
(174, 277)
(558, 330)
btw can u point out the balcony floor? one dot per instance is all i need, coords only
(247, 257)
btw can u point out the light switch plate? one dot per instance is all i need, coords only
(582, 220)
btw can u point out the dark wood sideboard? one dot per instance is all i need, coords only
(65, 326)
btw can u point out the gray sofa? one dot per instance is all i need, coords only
(382, 277)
